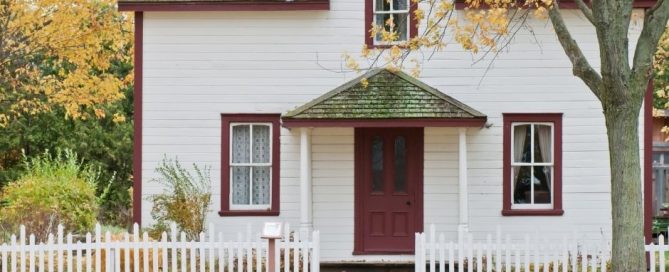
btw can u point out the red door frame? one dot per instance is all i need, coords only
(359, 172)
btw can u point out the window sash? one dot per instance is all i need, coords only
(251, 164)
(532, 164)
(392, 11)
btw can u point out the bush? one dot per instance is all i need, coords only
(53, 190)
(185, 200)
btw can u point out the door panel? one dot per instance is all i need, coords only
(388, 180)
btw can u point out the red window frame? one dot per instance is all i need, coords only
(369, 19)
(226, 121)
(509, 119)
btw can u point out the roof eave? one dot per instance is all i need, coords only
(476, 122)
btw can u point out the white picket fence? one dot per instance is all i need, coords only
(434, 253)
(137, 252)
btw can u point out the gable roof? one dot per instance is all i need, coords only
(388, 96)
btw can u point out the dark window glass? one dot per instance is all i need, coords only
(522, 187)
(400, 164)
(377, 164)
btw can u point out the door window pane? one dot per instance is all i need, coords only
(400, 164)
(377, 164)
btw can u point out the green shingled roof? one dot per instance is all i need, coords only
(389, 95)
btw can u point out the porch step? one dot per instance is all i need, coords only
(367, 267)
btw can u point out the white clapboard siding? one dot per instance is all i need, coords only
(138, 253)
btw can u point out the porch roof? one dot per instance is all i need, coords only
(391, 99)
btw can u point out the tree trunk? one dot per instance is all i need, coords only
(622, 122)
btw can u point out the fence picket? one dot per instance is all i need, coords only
(145, 252)
(135, 247)
(59, 250)
(98, 248)
(182, 252)
(163, 239)
(49, 249)
(258, 254)
(40, 258)
(22, 243)
(13, 253)
(69, 255)
(125, 247)
(488, 255)
(89, 251)
(154, 252)
(442, 253)
(4, 259)
(296, 251)
(432, 249)
(201, 254)
(31, 255)
(221, 253)
(451, 261)
(192, 250)
(479, 257)
(211, 247)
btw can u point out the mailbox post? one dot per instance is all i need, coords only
(272, 231)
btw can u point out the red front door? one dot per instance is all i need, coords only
(389, 202)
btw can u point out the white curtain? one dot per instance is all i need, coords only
(261, 144)
(545, 133)
(261, 186)
(241, 141)
(519, 134)
(240, 185)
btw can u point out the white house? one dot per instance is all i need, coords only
(255, 90)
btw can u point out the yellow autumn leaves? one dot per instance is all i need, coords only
(477, 27)
(59, 53)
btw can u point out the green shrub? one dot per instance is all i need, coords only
(185, 200)
(53, 190)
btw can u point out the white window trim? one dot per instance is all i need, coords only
(532, 206)
(392, 11)
(247, 207)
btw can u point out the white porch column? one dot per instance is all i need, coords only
(306, 219)
(463, 195)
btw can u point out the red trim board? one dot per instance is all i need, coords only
(137, 133)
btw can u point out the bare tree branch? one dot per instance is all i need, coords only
(655, 22)
(581, 67)
(587, 12)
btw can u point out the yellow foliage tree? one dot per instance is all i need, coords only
(58, 53)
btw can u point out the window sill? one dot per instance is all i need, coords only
(551, 212)
(249, 213)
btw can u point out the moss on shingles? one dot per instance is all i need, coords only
(387, 95)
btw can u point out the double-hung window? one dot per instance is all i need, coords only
(391, 15)
(532, 164)
(250, 167)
